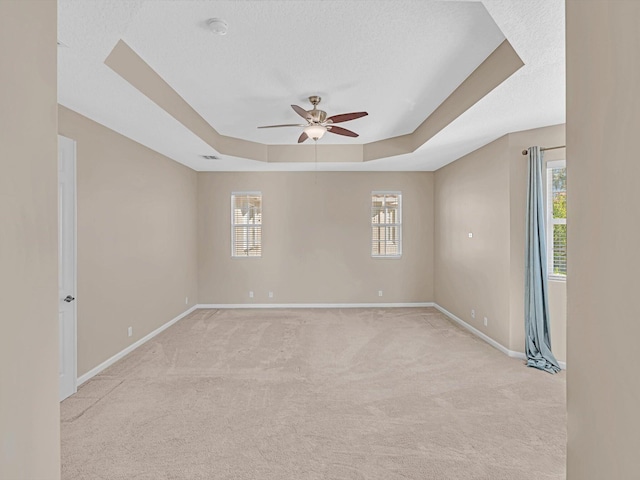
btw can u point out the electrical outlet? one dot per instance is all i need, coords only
(473, 314)
(186, 300)
(251, 294)
(270, 294)
(486, 321)
(130, 331)
(379, 293)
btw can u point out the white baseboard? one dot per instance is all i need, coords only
(486, 338)
(315, 305)
(107, 363)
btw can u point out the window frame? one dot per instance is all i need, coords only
(397, 224)
(234, 225)
(550, 221)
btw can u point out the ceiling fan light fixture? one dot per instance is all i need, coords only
(316, 132)
(318, 123)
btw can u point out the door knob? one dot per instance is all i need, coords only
(69, 298)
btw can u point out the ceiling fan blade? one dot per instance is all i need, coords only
(345, 117)
(302, 137)
(341, 131)
(301, 111)
(285, 125)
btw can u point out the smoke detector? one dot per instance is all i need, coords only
(217, 26)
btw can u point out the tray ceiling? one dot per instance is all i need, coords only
(398, 60)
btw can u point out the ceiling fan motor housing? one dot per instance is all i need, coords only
(318, 116)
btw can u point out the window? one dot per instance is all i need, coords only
(246, 224)
(557, 219)
(386, 224)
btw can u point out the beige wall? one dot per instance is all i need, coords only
(29, 408)
(484, 193)
(472, 196)
(603, 121)
(316, 239)
(137, 234)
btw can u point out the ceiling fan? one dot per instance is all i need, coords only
(318, 123)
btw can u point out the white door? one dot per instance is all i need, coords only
(67, 264)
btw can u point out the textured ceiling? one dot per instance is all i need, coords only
(396, 59)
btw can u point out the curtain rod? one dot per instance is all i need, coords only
(526, 152)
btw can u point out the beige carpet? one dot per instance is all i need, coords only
(316, 394)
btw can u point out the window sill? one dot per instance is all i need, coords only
(558, 278)
(387, 256)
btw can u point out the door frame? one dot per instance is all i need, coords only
(68, 149)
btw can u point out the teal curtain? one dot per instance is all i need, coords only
(536, 293)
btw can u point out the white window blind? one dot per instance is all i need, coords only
(246, 224)
(386, 224)
(557, 219)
